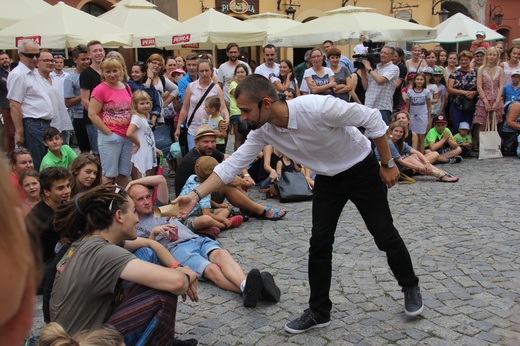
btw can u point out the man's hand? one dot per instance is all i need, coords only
(389, 175)
(162, 231)
(367, 64)
(194, 282)
(186, 205)
(19, 138)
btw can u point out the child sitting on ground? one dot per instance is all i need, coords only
(440, 139)
(59, 154)
(463, 139)
(215, 121)
(201, 216)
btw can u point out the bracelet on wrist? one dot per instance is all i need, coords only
(175, 265)
(246, 175)
(198, 194)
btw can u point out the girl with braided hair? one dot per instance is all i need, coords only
(100, 281)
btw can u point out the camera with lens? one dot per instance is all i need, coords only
(373, 55)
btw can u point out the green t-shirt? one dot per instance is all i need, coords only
(233, 109)
(67, 156)
(460, 140)
(434, 136)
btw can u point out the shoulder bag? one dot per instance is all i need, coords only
(293, 187)
(489, 140)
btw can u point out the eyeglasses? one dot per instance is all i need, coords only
(155, 63)
(118, 189)
(316, 57)
(48, 61)
(31, 55)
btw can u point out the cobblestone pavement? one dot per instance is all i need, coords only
(464, 242)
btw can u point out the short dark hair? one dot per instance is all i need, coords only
(231, 45)
(255, 87)
(269, 45)
(333, 52)
(213, 102)
(49, 133)
(328, 41)
(93, 43)
(192, 56)
(50, 175)
(79, 49)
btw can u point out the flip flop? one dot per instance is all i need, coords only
(449, 175)
(275, 215)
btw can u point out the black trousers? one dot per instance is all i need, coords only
(363, 186)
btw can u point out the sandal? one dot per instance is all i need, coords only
(275, 217)
(448, 175)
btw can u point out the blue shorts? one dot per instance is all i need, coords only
(194, 253)
(115, 153)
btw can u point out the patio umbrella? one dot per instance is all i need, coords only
(516, 41)
(272, 23)
(208, 29)
(15, 10)
(344, 25)
(460, 28)
(141, 18)
(62, 26)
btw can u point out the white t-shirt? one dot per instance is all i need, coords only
(145, 158)
(225, 75)
(268, 72)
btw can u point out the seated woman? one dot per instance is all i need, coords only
(285, 164)
(86, 173)
(30, 184)
(408, 158)
(271, 156)
(89, 290)
(409, 136)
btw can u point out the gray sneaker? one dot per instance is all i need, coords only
(308, 320)
(413, 304)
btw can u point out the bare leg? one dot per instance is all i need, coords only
(239, 199)
(122, 180)
(206, 221)
(224, 271)
(239, 138)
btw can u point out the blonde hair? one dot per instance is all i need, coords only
(497, 61)
(137, 97)
(108, 64)
(116, 55)
(54, 335)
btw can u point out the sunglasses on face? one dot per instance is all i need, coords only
(31, 55)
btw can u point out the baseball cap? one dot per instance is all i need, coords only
(204, 130)
(427, 69)
(204, 166)
(479, 51)
(463, 126)
(440, 119)
(480, 32)
(179, 70)
(438, 70)
(515, 72)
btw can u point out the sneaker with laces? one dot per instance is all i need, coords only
(413, 304)
(270, 291)
(253, 288)
(455, 159)
(307, 321)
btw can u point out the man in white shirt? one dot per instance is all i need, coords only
(320, 132)
(31, 106)
(226, 71)
(58, 74)
(381, 83)
(269, 68)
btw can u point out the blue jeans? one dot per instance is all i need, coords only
(387, 115)
(92, 133)
(363, 186)
(191, 142)
(33, 129)
(458, 116)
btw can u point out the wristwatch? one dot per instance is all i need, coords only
(389, 164)
(370, 70)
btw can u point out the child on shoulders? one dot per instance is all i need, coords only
(59, 154)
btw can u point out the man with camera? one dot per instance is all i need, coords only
(381, 83)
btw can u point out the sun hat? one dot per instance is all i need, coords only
(204, 130)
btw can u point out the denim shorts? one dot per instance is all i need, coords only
(115, 153)
(194, 253)
(234, 119)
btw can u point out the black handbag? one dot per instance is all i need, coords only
(468, 105)
(509, 143)
(293, 187)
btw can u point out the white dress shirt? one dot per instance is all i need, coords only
(321, 134)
